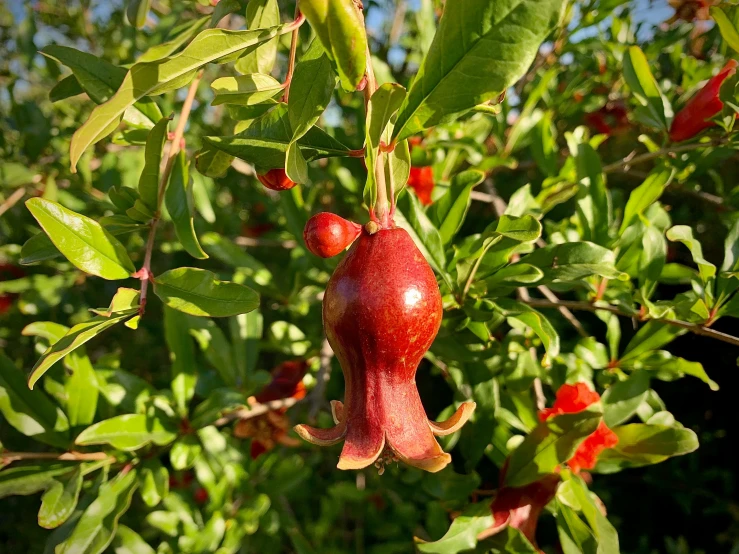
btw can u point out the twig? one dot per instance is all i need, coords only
(396, 28)
(567, 314)
(586, 306)
(8, 457)
(145, 273)
(291, 60)
(12, 200)
(256, 410)
(630, 160)
(318, 394)
(250, 241)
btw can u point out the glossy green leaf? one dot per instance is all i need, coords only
(128, 541)
(340, 27)
(669, 367)
(246, 334)
(153, 78)
(573, 261)
(640, 444)
(728, 30)
(462, 535)
(149, 181)
(76, 337)
(181, 35)
(198, 292)
(684, 234)
(652, 336)
(479, 50)
(260, 14)
(182, 355)
(211, 162)
(645, 88)
(645, 195)
(184, 452)
(604, 532)
(245, 90)
(593, 203)
(536, 321)
(30, 412)
(97, 525)
(265, 141)
(414, 220)
(311, 89)
(178, 199)
(128, 432)
(550, 444)
(81, 388)
(33, 477)
(136, 12)
(450, 210)
(66, 88)
(622, 400)
(82, 240)
(153, 482)
(575, 536)
(60, 500)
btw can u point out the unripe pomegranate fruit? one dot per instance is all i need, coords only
(327, 234)
(276, 179)
(381, 312)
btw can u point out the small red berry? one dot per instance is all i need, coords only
(276, 179)
(327, 234)
(200, 495)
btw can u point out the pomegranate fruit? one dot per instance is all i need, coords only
(327, 234)
(381, 312)
(276, 179)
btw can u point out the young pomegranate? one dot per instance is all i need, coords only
(276, 179)
(327, 234)
(381, 311)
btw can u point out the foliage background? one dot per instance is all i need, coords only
(684, 505)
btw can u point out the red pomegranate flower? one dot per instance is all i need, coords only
(421, 180)
(695, 116)
(270, 429)
(575, 398)
(381, 312)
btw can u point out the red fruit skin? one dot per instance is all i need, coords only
(381, 312)
(693, 118)
(276, 179)
(327, 234)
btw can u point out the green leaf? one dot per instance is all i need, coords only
(82, 240)
(97, 525)
(13, 175)
(66, 88)
(76, 337)
(149, 181)
(128, 541)
(462, 535)
(479, 50)
(198, 292)
(153, 482)
(182, 35)
(81, 388)
(211, 162)
(136, 12)
(640, 444)
(246, 334)
(340, 27)
(217, 350)
(311, 89)
(413, 219)
(31, 413)
(184, 452)
(182, 355)
(726, 27)
(32, 478)
(574, 535)
(128, 432)
(593, 203)
(382, 106)
(219, 402)
(505, 541)
(450, 210)
(645, 195)
(684, 234)
(604, 532)
(245, 90)
(260, 14)
(652, 336)
(645, 88)
(178, 199)
(100, 79)
(265, 141)
(669, 367)
(59, 501)
(154, 78)
(536, 321)
(573, 261)
(622, 400)
(550, 444)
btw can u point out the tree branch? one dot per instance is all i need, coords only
(630, 160)
(256, 410)
(8, 457)
(586, 306)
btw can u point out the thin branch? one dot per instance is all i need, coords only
(8, 457)
(630, 160)
(145, 273)
(250, 241)
(291, 60)
(12, 200)
(256, 410)
(318, 394)
(586, 306)
(567, 314)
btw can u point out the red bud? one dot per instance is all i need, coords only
(276, 179)
(327, 234)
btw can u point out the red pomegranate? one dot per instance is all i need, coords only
(327, 234)
(276, 179)
(381, 312)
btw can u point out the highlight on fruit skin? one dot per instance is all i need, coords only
(328, 234)
(381, 311)
(276, 179)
